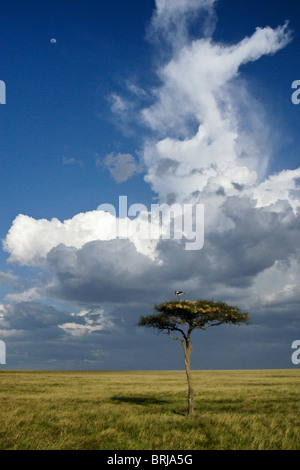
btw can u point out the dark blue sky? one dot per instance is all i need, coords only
(87, 119)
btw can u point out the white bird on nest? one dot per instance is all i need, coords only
(178, 292)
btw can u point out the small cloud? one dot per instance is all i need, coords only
(26, 296)
(89, 321)
(71, 161)
(7, 278)
(118, 104)
(121, 166)
(53, 41)
(135, 89)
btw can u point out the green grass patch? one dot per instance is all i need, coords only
(145, 410)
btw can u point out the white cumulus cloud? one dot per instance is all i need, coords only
(29, 240)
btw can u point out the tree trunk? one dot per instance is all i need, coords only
(187, 354)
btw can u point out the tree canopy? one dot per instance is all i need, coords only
(200, 314)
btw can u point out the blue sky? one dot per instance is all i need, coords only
(184, 102)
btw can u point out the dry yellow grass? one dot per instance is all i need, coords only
(147, 410)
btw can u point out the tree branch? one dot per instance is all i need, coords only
(174, 328)
(173, 337)
(212, 324)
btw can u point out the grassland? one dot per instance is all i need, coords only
(147, 410)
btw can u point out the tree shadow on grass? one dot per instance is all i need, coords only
(148, 401)
(139, 400)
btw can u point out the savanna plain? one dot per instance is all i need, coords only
(147, 410)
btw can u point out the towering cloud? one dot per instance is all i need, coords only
(204, 143)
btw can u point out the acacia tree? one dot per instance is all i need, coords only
(179, 318)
